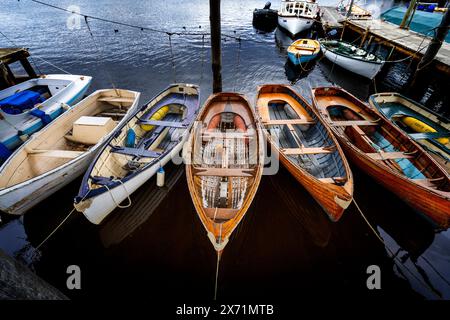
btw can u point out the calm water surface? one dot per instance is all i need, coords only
(286, 245)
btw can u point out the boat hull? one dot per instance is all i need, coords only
(97, 208)
(294, 25)
(417, 197)
(21, 198)
(363, 68)
(301, 59)
(330, 201)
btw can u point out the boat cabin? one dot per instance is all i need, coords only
(306, 9)
(14, 67)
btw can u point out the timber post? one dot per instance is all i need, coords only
(433, 47)
(216, 50)
(408, 12)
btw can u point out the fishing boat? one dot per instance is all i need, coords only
(28, 106)
(63, 150)
(306, 147)
(386, 153)
(265, 19)
(303, 50)
(152, 136)
(352, 58)
(429, 129)
(297, 16)
(224, 162)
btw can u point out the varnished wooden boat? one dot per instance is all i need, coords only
(306, 147)
(386, 153)
(224, 159)
(429, 129)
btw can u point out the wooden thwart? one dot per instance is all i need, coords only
(296, 151)
(66, 154)
(353, 123)
(389, 155)
(287, 121)
(116, 99)
(223, 172)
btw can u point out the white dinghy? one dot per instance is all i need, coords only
(352, 58)
(63, 150)
(146, 142)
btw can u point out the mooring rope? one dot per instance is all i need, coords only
(236, 68)
(58, 226)
(99, 54)
(394, 256)
(172, 58)
(114, 200)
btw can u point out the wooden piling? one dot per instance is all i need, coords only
(408, 12)
(433, 47)
(216, 44)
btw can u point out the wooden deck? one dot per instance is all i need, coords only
(331, 18)
(406, 41)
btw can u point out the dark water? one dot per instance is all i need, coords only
(286, 245)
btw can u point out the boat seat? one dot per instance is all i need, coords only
(223, 172)
(347, 123)
(389, 155)
(299, 151)
(287, 121)
(137, 152)
(116, 99)
(429, 135)
(226, 135)
(171, 124)
(335, 180)
(221, 213)
(65, 154)
(429, 183)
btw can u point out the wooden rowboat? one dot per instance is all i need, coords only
(429, 129)
(386, 153)
(306, 147)
(303, 50)
(152, 136)
(63, 150)
(224, 162)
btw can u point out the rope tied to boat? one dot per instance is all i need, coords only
(172, 58)
(58, 226)
(114, 200)
(238, 60)
(394, 256)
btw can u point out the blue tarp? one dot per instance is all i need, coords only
(21, 101)
(422, 21)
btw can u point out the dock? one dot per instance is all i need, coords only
(402, 40)
(331, 18)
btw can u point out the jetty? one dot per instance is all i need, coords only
(408, 42)
(377, 31)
